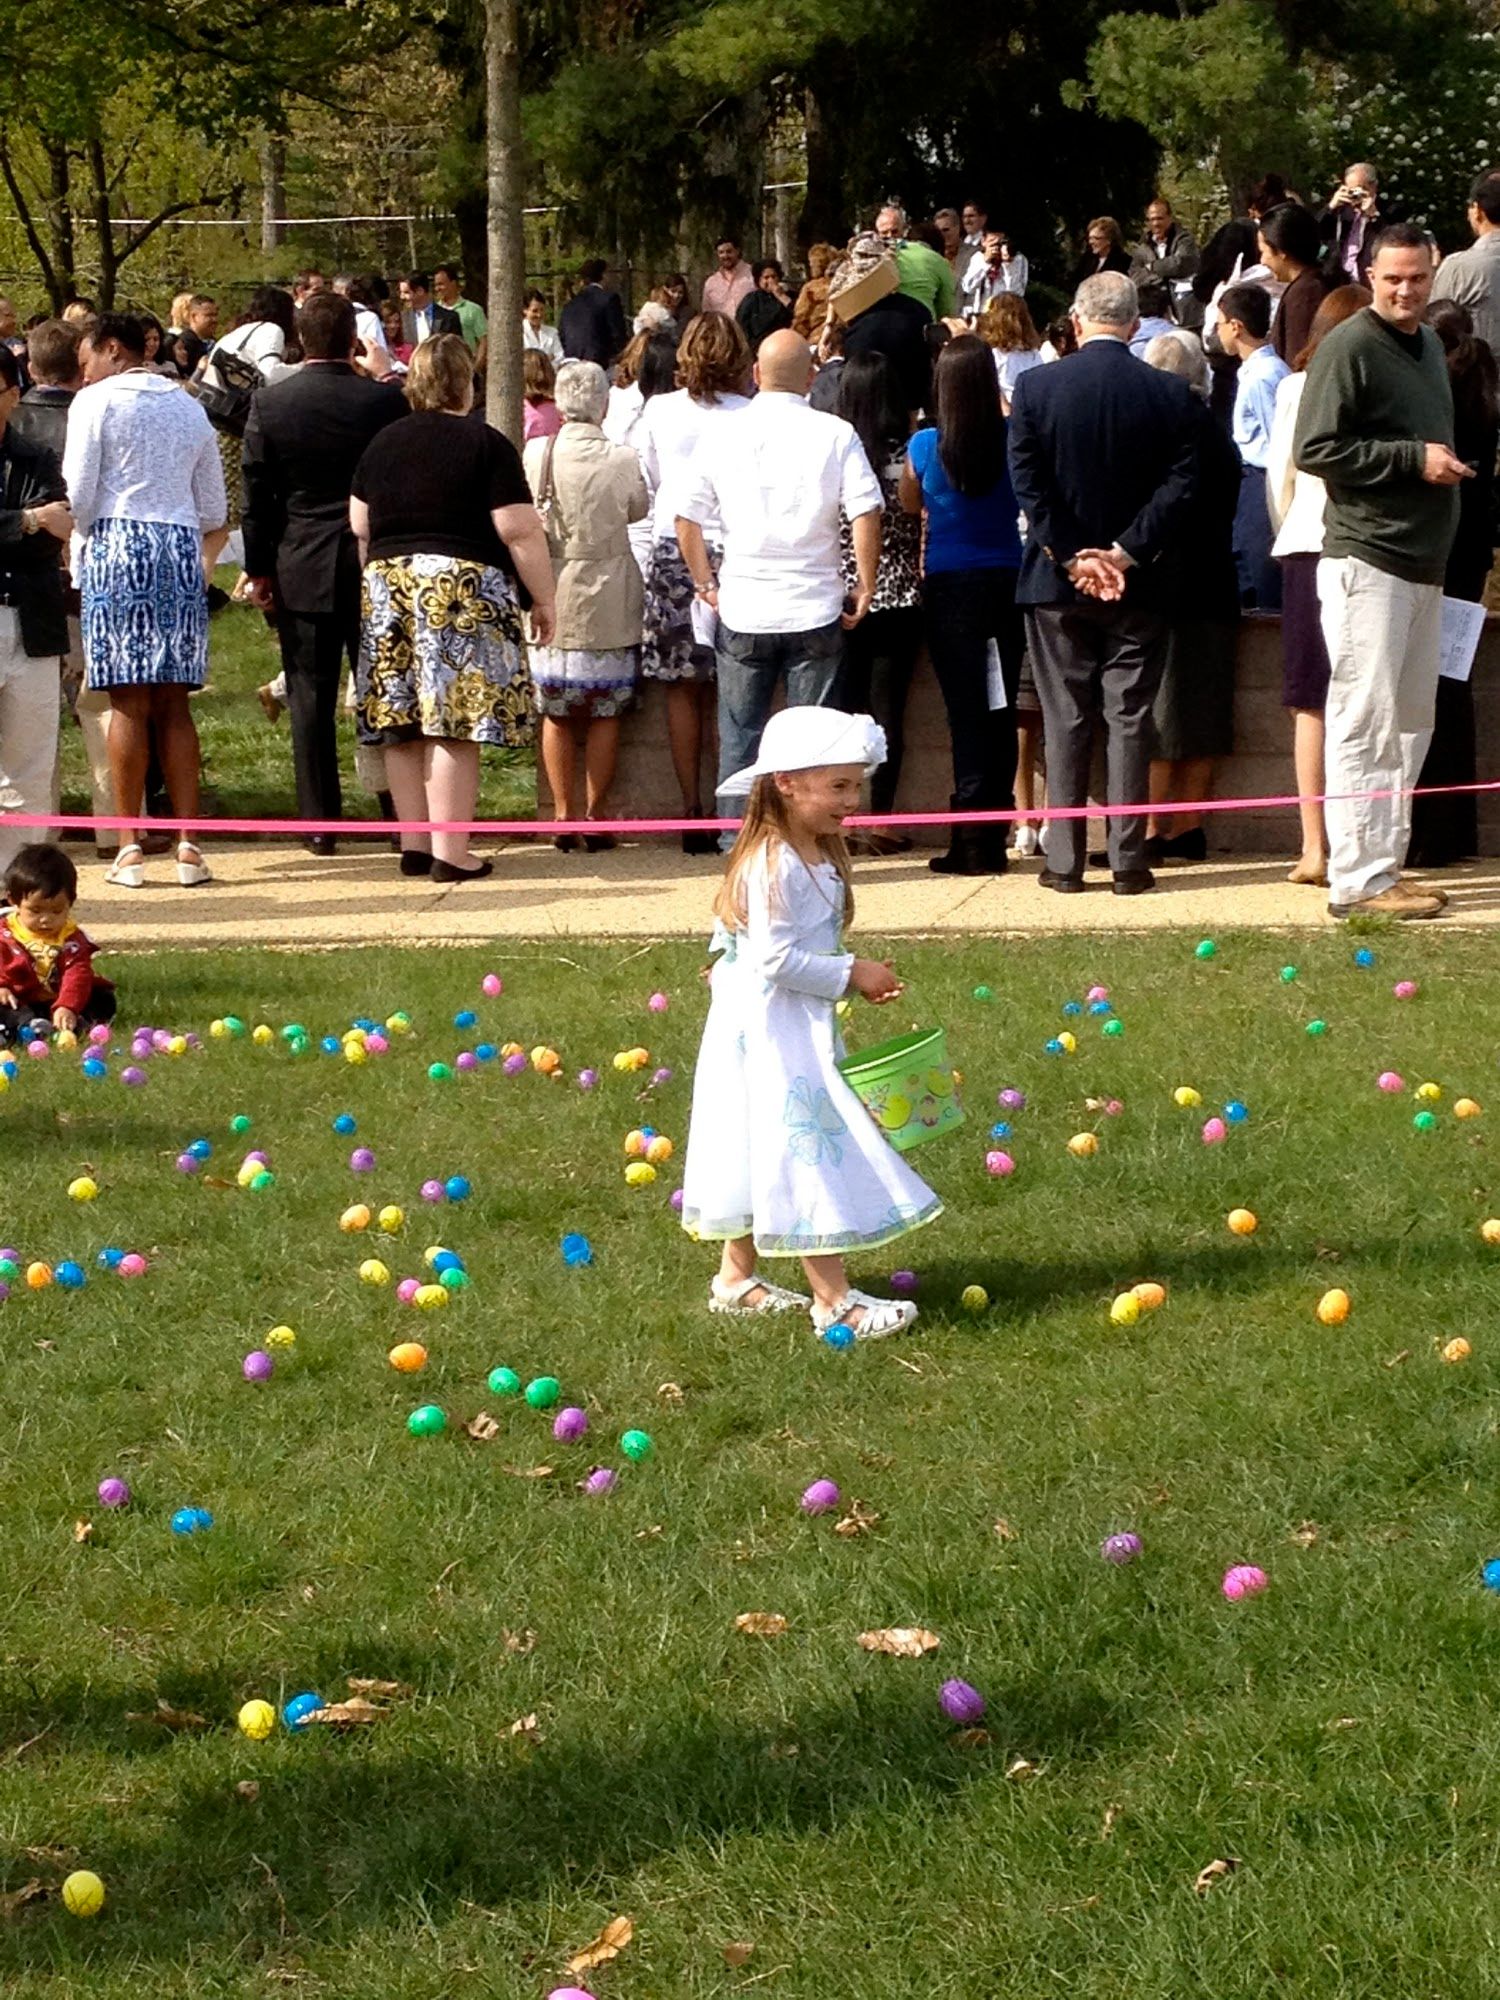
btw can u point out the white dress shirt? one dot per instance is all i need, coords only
(140, 449)
(1255, 403)
(1295, 499)
(980, 284)
(666, 440)
(546, 339)
(779, 475)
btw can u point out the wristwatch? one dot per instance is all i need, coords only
(29, 521)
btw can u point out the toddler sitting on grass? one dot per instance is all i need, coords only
(47, 975)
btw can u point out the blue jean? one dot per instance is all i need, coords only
(1259, 573)
(750, 666)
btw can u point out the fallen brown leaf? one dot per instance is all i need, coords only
(482, 1427)
(738, 1954)
(901, 1642)
(215, 1181)
(972, 1739)
(526, 1726)
(1004, 1532)
(46, 1346)
(1205, 1879)
(1343, 1722)
(761, 1624)
(651, 1534)
(528, 1471)
(1305, 1534)
(779, 1753)
(1111, 1814)
(17, 1899)
(248, 1789)
(83, 1531)
(348, 1714)
(877, 1461)
(517, 1642)
(52, 1857)
(670, 1392)
(357, 1686)
(610, 1942)
(172, 1718)
(1021, 1768)
(861, 1519)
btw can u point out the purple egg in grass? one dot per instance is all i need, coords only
(821, 1497)
(1120, 1548)
(569, 1425)
(960, 1702)
(113, 1493)
(257, 1366)
(600, 1480)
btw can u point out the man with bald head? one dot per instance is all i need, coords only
(1350, 223)
(777, 475)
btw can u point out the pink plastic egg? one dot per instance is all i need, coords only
(99, 1034)
(1098, 993)
(434, 1191)
(132, 1265)
(1244, 1580)
(492, 986)
(658, 1003)
(38, 1050)
(600, 1480)
(1389, 1079)
(999, 1164)
(407, 1290)
(1405, 989)
(376, 1045)
(1214, 1130)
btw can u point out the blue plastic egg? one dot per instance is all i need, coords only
(110, 1259)
(299, 1708)
(457, 1188)
(485, 1052)
(1491, 1574)
(201, 1149)
(1236, 1112)
(577, 1249)
(69, 1275)
(999, 1130)
(839, 1335)
(94, 1067)
(1071, 1007)
(447, 1260)
(465, 1018)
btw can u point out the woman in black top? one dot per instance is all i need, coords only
(450, 541)
(1106, 251)
(768, 308)
(1445, 830)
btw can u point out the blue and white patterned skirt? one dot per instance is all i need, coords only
(145, 605)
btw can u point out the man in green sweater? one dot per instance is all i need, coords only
(1376, 426)
(924, 275)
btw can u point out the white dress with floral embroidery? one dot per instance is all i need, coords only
(780, 1148)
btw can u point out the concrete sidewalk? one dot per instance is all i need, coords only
(269, 893)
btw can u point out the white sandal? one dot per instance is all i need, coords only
(193, 872)
(128, 874)
(724, 1298)
(879, 1318)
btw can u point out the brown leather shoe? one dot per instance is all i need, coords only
(1401, 901)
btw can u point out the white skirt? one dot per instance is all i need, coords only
(780, 1148)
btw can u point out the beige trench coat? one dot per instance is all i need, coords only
(597, 491)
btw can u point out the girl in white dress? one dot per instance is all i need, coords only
(783, 1160)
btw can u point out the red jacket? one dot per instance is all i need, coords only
(73, 975)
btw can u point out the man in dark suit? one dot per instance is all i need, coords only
(421, 315)
(1102, 458)
(305, 436)
(592, 323)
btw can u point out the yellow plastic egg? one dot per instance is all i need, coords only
(218, 1030)
(85, 1188)
(354, 1218)
(511, 1049)
(177, 1046)
(431, 1254)
(639, 1174)
(1186, 1098)
(1242, 1222)
(65, 1041)
(1083, 1145)
(1126, 1309)
(257, 1719)
(659, 1150)
(281, 1336)
(546, 1060)
(373, 1272)
(974, 1298)
(247, 1172)
(1490, 1230)
(431, 1298)
(1465, 1107)
(391, 1218)
(261, 1035)
(1333, 1307)
(355, 1052)
(1067, 1040)
(1428, 1093)
(1457, 1350)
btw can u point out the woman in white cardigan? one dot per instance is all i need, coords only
(1295, 500)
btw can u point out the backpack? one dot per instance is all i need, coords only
(226, 401)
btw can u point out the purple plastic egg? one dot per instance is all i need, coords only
(677, 1201)
(659, 1076)
(9, 1256)
(4, 1291)
(362, 1161)
(258, 1157)
(407, 1290)
(113, 1493)
(188, 1163)
(130, 1075)
(600, 1480)
(569, 1424)
(1120, 1548)
(466, 1060)
(658, 1003)
(587, 1078)
(821, 1497)
(960, 1702)
(1012, 1100)
(903, 1281)
(434, 1191)
(514, 1065)
(257, 1366)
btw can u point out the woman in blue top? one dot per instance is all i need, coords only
(956, 476)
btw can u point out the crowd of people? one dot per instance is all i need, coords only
(777, 486)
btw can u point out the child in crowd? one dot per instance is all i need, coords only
(782, 1158)
(47, 971)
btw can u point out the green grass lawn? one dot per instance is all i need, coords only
(1337, 1737)
(247, 762)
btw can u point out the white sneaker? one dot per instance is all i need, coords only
(724, 1298)
(878, 1318)
(1026, 842)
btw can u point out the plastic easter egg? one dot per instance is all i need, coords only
(1120, 1549)
(1405, 989)
(457, 1188)
(1000, 1129)
(514, 1065)
(543, 1391)
(85, 1188)
(1069, 1041)
(577, 1249)
(433, 1191)
(1317, 1029)
(819, 1498)
(376, 1044)
(330, 1045)
(70, 1275)
(1242, 1222)
(428, 1421)
(1288, 974)
(465, 1018)
(983, 993)
(1490, 1230)
(1072, 1009)
(1012, 1100)
(465, 1061)
(1243, 1580)
(1425, 1121)
(454, 1279)
(1236, 1112)
(354, 1219)
(345, 1125)
(1465, 1107)
(132, 1076)
(132, 1265)
(658, 1003)
(974, 1298)
(373, 1272)
(961, 1703)
(399, 1023)
(407, 1290)
(999, 1164)
(280, 1339)
(38, 1276)
(257, 1366)
(440, 1072)
(839, 1335)
(299, 1708)
(1125, 1310)
(1428, 1093)
(636, 1445)
(83, 1893)
(587, 1078)
(191, 1521)
(391, 1218)
(600, 1480)
(429, 1298)
(1390, 1081)
(635, 1145)
(1491, 1574)
(1206, 949)
(439, 1260)
(188, 1163)
(92, 1067)
(1333, 1307)
(262, 1181)
(39, 1049)
(113, 1493)
(504, 1382)
(239, 1124)
(492, 986)
(1114, 1028)
(1214, 1130)
(659, 1150)
(362, 1161)
(1150, 1294)
(569, 1425)
(1456, 1350)
(1186, 1098)
(256, 1720)
(639, 1174)
(1083, 1145)
(408, 1357)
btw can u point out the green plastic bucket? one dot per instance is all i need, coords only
(908, 1087)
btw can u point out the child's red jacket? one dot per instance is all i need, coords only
(73, 975)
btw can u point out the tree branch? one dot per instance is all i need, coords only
(133, 241)
(28, 224)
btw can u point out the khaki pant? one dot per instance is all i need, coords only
(29, 695)
(1382, 635)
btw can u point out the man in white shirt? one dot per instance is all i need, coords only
(993, 269)
(778, 475)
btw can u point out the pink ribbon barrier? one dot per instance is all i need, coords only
(547, 829)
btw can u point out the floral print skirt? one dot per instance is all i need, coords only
(441, 654)
(587, 682)
(669, 652)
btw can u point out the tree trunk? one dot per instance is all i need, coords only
(272, 193)
(60, 221)
(507, 195)
(103, 225)
(823, 218)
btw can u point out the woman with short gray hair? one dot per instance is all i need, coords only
(588, 492)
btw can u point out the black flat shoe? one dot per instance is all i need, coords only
(700, 843)
(968, 861)
(1134, 882)
(444, 871)
(599, 843)
(321, 844)
(566, 843)
(1099, 857)
(1189, 846)
(1065, 885)
(415, 861)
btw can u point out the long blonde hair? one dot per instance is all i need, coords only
(767, 825)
